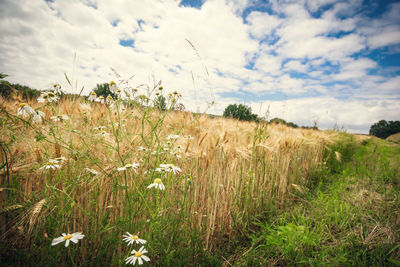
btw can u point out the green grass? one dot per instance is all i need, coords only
(349, 216)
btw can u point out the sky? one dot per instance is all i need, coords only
(333, 63)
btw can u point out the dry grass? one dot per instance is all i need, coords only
(394, 138)
(236, 168)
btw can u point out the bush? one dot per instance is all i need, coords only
(240, 112)
(7, 88)
(103, 90)
(383, 129)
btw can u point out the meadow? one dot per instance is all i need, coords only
(191, 189)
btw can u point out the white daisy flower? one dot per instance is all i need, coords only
(119, 93)
(168, 168)
(25, 110)
(144, 149)
(49, 96)
(59, 118)
(172, 137)
(175, 154)
(68, 237)
(100, 99)
(109, 100)
(36, 118)
(113, 87)
(189, 137)
(50, 165)
(92, 96)
(58, 160)
(132, 166)
(103, 133)
(99, 128)
(94, 172)
(157, 184)
(56, 88)
(130, 239)
(137, 255)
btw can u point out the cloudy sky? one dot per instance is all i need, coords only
(324, 61)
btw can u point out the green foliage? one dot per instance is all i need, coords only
(291, 124)
(2, 75)
(27, 92)
(103, 89)
(241, 112)
(7, 88)
(160, 103)
(345, 220)
(282, 121)
(383, 129)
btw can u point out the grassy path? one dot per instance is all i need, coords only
(348, 216)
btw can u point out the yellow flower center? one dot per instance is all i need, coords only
(93, 93)
(51, 94)
(119, 90)
(67, 237)
(138, 254)
(135, 237)
(112, 83)
(22, 105)
(157, 181)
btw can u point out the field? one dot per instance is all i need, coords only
(394, 138)
(235, 193)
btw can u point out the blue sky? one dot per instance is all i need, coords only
(336, 63)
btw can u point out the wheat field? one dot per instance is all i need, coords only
(226, 173)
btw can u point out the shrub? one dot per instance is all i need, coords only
(7, 88)
(103, 90)
(240, 112)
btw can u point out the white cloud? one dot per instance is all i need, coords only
(387, 36)
(391, 85)
(262, 24)
(295, 65)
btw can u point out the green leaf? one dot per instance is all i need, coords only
(66, 77)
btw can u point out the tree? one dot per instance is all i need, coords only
(240, 112)
(103, 90)
(383, 129)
